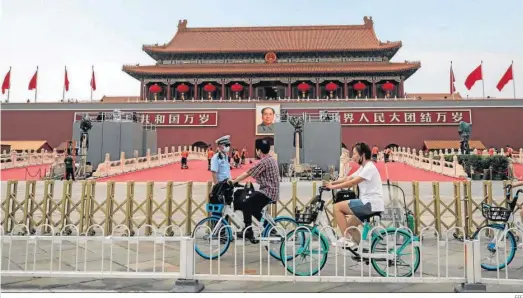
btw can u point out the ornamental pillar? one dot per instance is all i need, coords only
(250, 88)
(317, 88)
(195, 89)
(374, 91)
(289, 90)
(345, 89)
(169, 89)
(401, 91)
(142, 86)
(223, 90)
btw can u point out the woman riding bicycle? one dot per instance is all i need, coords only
(370, 200)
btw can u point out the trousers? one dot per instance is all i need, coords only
(253, 206)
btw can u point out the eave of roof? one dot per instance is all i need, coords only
(278, 39)
(274, 68)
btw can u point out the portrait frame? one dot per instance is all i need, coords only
(276, 107)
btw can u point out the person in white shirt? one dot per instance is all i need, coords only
(370, 200)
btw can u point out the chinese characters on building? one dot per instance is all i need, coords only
(406, 117)
(179, 118)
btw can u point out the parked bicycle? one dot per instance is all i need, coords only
(216, 230)
(501, 243)
(313, 241)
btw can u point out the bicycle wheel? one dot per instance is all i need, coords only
(310, 251)
(283, 226)
(210, 243)
(494, 255)
(406, 254)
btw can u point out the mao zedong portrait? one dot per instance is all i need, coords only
(267, 115)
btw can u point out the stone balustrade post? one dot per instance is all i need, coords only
(159, 155)
(184, 147)
(179, 149)
(442, 163)
(14, 157)
(501, 152)
(122, 162)
(107, 163)
(431, 160)
(521, 155)
(455, 165)
(148, 157)
(420, 158)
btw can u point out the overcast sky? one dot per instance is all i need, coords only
(110, 33)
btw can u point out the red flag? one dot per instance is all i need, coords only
(32, 83)
(507, 77)
(66, 81)
(93, 81)
(7, 82)
(452, 80)
(474, 76)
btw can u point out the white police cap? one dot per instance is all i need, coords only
(224, 140)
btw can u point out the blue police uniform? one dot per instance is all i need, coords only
(221, 165)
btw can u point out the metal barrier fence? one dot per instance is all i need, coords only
(165, 255)
(140, 206)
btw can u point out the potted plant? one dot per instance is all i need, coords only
(499, 167)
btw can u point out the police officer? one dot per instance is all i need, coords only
(220, 167)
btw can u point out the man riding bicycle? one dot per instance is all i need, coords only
(266, 174)
(370, 200)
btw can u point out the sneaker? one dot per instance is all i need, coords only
(345, 243)
(520, 246)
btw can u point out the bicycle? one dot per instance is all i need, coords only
(503, 232)
(218, 232)
(323, 234)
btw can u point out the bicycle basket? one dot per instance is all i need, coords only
(308, 215)
(495, 213)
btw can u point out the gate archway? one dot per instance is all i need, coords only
(200, 144)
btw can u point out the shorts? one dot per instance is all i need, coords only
(362, 212)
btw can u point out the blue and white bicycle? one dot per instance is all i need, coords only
(498, 242)
(214, 234)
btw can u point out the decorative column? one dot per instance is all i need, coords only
(195, 89)
(250, 88)
(289, 90)
(345, 89)
(401, 91)
(374, 91)
(317, 88)
(142, 86)
(169, 89)
(223, 90)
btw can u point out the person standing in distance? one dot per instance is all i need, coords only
(69, 167)
(267, 114)
(220, 168)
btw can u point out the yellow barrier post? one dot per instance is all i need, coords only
(129, 207)
(457, 204)
(67, 207)
(417, 209)
(48, 198)
(88, 201)
(467, 202)
(188, 198)
(294, 196)
(437, 205)
(11, 190)
(109, 199)
(149, 200)
(487, 196)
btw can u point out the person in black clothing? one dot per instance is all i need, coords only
(69, 167)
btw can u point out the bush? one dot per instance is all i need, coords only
(479, 163)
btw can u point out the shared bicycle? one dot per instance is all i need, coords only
(217, 233)
(389, 247)
(501, 244)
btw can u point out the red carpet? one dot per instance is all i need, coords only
(197, 172)
(26, 173)
(400, 172)
(518, 171)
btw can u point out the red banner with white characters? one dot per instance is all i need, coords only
(405, 117)
(179, 118)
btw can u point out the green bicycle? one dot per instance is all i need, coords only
(314, 235)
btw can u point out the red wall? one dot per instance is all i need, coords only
(56, 127)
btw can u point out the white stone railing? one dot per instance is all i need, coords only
(135, 163)
(437, 165)
(15, 159)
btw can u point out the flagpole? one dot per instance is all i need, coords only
(9, 90)
(452, 80)
(513, 79)
(482, 80)
(92, 73)
(36, 83)
(63, 89)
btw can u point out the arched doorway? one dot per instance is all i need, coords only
(391, 146)
(200, 144)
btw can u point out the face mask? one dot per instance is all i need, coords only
(226, 149)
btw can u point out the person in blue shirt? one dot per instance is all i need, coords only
(220, 167)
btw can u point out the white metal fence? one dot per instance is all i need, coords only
(49, 253)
